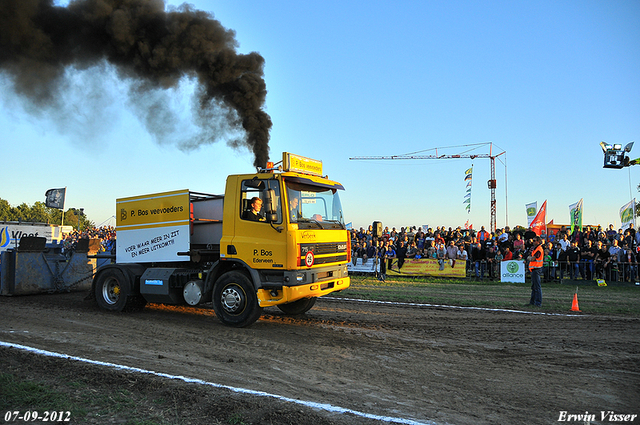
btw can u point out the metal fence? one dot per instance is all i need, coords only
(610, 271)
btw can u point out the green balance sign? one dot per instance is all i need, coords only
(512, 271)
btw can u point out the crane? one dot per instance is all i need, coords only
(418, 155)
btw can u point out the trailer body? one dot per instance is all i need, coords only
(35, 267)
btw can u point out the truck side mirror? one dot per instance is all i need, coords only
(270, 207)
(272, 217)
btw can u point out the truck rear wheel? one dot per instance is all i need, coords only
(113, 291)
(235, 301)
(298, 307)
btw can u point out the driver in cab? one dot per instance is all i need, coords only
(294, 211)
(254, 214)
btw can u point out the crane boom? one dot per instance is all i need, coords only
(423, 157)
(491, 183)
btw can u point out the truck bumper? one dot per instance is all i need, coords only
(290, 294)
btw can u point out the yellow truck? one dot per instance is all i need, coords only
(275, 238)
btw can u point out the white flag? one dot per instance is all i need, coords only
(627, 214)
(532, 210)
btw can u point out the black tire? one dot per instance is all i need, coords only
(235, 300)
(298, 307)
(112, 290)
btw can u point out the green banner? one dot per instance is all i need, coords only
(575, 213)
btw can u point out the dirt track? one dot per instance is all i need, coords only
(457, 366)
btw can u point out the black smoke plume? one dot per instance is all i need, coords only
(152, 47)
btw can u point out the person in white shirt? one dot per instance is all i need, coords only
(564, 242)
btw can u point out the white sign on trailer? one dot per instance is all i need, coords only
(153, 228)
(11, 232)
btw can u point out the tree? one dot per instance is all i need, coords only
(76, 218)
(22, 212)
(70, 218)
(5, 210)
(83, 222)
(40, 213)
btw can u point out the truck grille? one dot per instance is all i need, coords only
(324, 252)
(323, 248)
(331, 259)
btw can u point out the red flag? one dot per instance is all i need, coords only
(538, 223)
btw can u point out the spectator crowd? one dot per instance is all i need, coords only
(589, 254)
(593, 253)
(106, 235)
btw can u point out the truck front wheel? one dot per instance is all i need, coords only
(298, 307)
(235, 301)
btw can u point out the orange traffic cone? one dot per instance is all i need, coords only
(574, 306)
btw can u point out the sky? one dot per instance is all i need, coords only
(543, 81)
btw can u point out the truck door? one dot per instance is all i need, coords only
(257, 241)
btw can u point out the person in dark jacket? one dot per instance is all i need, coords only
(480, 259)
(573, 260)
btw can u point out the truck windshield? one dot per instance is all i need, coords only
(314, 206)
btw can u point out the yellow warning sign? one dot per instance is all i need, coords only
(158, 209)
(301, 164)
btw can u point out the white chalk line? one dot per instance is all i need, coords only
(502, 310)
(311, 404)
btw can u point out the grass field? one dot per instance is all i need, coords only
(594, 299)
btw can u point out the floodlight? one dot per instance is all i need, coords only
(615, 156)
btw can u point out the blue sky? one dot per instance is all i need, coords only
(545, 81)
